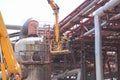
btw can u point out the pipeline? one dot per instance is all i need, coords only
(75, 18)
(103, 24)
(98, 41)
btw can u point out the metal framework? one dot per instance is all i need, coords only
(98, 50)
(95, 29)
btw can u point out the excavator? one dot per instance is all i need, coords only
(8, 63)
(56, 46)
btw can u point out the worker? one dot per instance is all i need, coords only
(12, 76)
(64, 41)
(70, 41)
(17, 77)
(30, 28)
(54, 45)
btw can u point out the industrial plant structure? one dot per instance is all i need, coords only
(94, 27)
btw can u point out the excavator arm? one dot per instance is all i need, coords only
(55, 8)
(8, 58)
(53, 48)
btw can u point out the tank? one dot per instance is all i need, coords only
(32, 53)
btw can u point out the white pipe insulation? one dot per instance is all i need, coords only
(81, 12)
(14, 27)
(98, 39)
(103, 24)
(21, 45)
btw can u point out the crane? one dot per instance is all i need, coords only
(55, 8)
(8, 58)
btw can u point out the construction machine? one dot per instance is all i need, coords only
(8, 63)
(56, 44)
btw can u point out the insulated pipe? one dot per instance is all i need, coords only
(85, 9)
(14, 27)
(103, 24)
(116, 17)
(80, 13)
(107, 6)
(98, 42)
(98, 49)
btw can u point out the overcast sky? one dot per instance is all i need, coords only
(15, 12)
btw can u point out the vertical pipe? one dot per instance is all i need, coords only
(98, 49)
(73, 60)
(83, 60)
(98, 42)
(94, 73)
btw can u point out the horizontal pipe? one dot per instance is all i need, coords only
(109, 5)
(116, 17)
(103, 24)
(80, 13)
(100, 12)
(14, 27)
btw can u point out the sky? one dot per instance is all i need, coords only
(16, 12)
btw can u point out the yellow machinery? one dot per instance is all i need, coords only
(56, 11)
(57, 44)
(8, 59)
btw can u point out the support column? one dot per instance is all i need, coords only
(98, 49)
(65, 62)
(83, 60)
(73, 60)
(83, 66)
